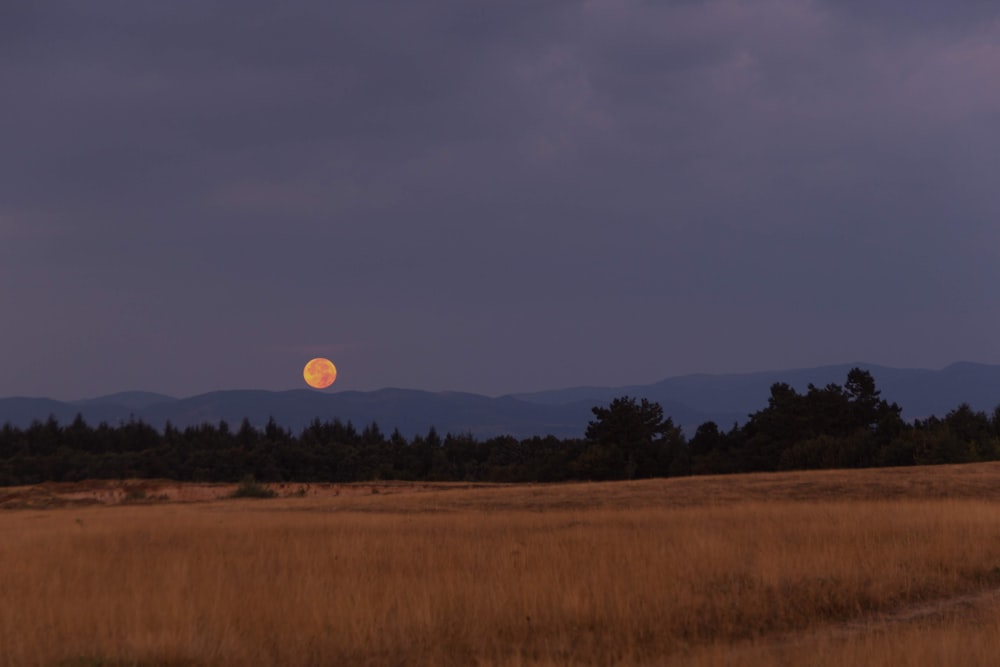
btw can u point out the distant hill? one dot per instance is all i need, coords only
(921, 393)
(690, 400)
(412, 412)
(132, 400)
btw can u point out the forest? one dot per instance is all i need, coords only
(836, 426)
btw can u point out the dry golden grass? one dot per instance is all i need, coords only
(864, 567)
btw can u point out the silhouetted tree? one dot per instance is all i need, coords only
(832, 426)
(631, 438)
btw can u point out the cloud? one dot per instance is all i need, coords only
(442, 165)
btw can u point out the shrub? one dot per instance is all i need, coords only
(251, 488)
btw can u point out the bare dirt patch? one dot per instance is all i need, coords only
(148, 491)
(979, 481)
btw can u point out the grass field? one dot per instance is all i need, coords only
(878, 567)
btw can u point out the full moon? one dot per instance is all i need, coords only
(319, 373)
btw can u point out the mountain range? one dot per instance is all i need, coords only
(690, 400)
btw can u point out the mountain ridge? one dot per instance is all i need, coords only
(689, 400)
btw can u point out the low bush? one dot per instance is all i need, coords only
(250, 488)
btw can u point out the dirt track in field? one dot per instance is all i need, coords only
(967, 605)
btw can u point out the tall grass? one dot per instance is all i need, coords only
(418, 581)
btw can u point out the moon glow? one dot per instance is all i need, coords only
(319, 373)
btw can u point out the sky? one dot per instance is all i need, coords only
(493, 197)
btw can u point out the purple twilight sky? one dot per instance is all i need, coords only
(492, 197)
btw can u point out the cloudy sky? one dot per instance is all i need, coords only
(492, 196)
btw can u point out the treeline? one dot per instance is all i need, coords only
(835, 426)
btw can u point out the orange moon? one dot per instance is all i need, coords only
(319, 373)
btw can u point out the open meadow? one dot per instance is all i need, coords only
(866, 567)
